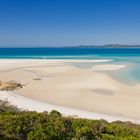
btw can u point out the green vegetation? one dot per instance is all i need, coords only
(24, 125)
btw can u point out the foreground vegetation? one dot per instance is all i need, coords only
(21, 125)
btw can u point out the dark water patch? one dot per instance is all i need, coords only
(104, 92)
(82, 65)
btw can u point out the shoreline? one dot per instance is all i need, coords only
(58, 84)
(28, 104)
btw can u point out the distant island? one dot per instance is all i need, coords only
(102, 46)
(78, 46)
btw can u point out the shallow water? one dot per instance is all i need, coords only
(128, 75)
(125, 56)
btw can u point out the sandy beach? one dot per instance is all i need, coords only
(57, 84)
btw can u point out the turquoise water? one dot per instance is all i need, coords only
(131, 73)
(126, 56)
(67, 53)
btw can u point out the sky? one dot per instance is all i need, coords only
(69, 22)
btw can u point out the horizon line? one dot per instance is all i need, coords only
(70, 46)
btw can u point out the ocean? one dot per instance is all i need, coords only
(126, 56)
(66, 53)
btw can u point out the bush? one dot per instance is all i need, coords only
(24, 125)
(5, 107)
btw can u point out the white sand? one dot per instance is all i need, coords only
(81, 60)
(64, 86)
(34, 105)
(16, 63)
(107, 67)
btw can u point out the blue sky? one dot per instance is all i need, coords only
(69, 22)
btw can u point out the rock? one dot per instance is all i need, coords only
(11, 85)
(37, 78)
